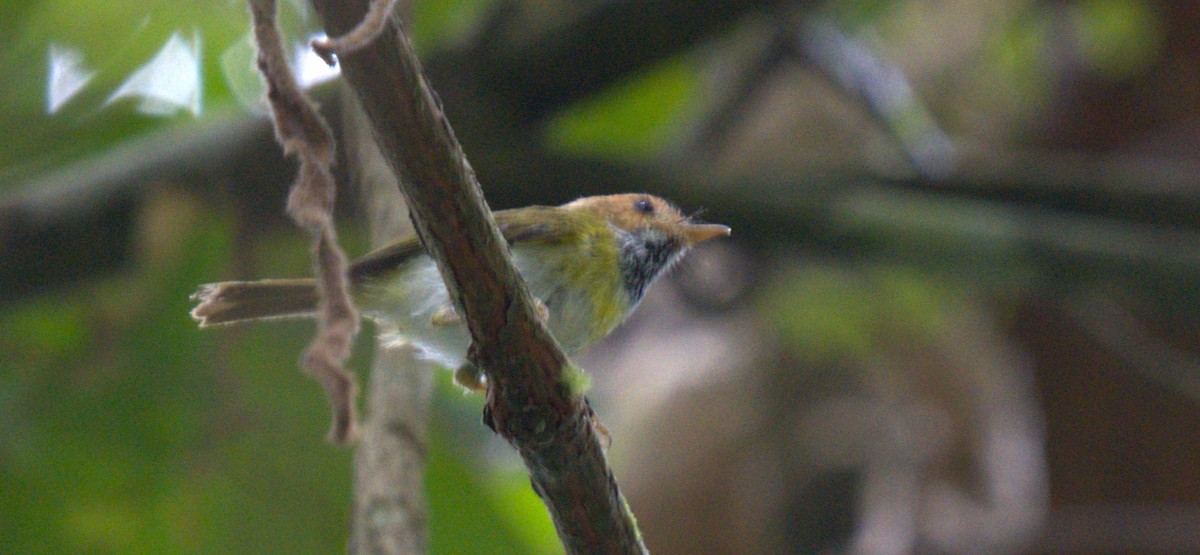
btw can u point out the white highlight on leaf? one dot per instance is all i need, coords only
(169, 82)
(309, 67)
(68, 75)
(238, 64)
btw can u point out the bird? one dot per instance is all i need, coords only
(588, 264)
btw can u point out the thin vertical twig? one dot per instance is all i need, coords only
(390, 512)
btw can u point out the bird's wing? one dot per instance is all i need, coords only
(384, 259)
(533, 224)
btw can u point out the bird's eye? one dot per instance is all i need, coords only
(643, 205)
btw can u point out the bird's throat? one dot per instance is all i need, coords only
(645, 255)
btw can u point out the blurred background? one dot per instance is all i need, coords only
(959, 311)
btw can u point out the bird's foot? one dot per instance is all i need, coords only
(471, 378)
(445, 316)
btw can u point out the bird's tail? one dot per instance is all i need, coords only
(237, 301)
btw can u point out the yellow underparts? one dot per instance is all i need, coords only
(597, 270)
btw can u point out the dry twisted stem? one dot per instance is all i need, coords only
(360, 36)
(302, 131)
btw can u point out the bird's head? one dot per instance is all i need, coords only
(652, 234)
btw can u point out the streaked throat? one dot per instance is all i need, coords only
(644, 255)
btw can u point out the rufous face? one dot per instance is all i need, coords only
(632, 211)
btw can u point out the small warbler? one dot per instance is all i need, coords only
(587, 262)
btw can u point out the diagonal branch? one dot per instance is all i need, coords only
(530, 401)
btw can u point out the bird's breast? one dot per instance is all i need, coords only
(581, 287)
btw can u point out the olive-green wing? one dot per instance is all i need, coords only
(534, 224)
(384, 259)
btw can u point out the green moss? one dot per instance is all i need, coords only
(578, 380)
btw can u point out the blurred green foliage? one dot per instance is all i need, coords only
(1118, 37)
(633, 119)
(123, 428)
(113, 39)
(830, 314)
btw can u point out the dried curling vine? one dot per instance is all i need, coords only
(302, 132)
(366, 31)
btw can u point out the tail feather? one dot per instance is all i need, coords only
(236, 301)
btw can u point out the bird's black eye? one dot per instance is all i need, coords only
(643, 205)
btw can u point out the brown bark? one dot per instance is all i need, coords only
(530, 402)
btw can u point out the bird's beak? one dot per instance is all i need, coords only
(699, 233)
